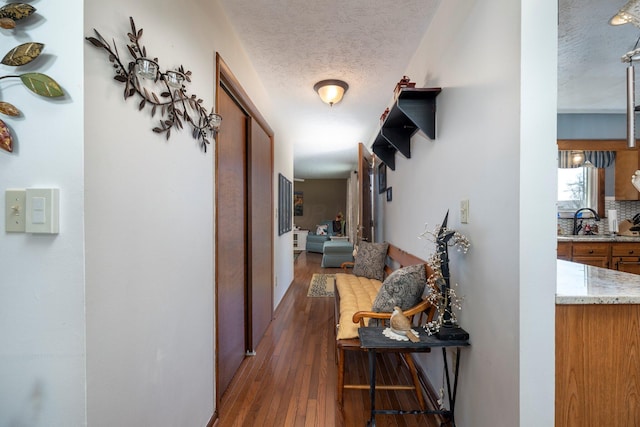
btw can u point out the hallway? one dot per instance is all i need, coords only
(292, 379)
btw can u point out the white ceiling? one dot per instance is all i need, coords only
(368, 43)
(591, 76)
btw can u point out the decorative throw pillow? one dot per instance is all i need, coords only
(403, 287)
(322, 230)
(369, 261)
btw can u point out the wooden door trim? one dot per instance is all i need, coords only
(226, 77)
(363, 152)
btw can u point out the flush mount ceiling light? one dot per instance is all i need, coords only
(331, 91)
(629, 13)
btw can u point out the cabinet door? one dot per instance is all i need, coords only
(628, 264)
(626, 165)
(564, 251)
(596, 261)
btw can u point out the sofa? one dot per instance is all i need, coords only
(335, 253)
(359, 297)
(315, 241)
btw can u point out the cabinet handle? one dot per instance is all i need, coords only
(590, 251)
(630, 252)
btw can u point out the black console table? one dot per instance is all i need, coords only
(372, 340)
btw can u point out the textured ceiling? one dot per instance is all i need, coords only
(295, 43)
(591, 76)
(368, 43)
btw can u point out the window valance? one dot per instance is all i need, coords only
(575, 159)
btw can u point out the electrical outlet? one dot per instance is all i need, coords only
(15, 210)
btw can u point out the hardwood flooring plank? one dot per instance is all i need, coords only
(292, 379)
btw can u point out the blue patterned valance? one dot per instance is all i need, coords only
(599, 159)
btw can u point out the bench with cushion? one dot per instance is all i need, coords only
(382, 276)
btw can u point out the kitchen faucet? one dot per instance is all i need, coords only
(575, 219)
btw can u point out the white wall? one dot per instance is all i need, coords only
(495, 147)
(142, 339)
(150, 224)
(283, 249)
(538, 195)
(42, 333)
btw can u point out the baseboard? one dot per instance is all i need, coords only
(213, 421)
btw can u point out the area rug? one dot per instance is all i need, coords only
(322, 285)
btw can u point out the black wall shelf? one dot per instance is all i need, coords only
(414, 109)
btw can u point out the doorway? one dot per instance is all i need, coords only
(243, 227)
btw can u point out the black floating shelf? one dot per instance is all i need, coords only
(413, 110)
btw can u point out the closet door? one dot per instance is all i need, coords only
(261, 234)
(231, 238)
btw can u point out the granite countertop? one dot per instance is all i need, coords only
(597, 238)
(584, 284)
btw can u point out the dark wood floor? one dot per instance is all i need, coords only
(292, 379)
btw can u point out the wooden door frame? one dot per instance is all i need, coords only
(224, 77)
(363, 152)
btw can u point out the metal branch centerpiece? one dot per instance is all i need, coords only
(443, 296)
(173, 103)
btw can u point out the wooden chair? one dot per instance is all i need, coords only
(419, 314)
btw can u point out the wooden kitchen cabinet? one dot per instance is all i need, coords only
(591, 253)
(626, 257)
(622, 256)
(597, 364)
(564, 251)
(626, 165)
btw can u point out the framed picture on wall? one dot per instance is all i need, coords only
(389, 194)
(298, 203)
(382, 178)
(285, 205)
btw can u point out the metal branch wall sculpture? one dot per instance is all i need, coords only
(173, 103)
(38, 83)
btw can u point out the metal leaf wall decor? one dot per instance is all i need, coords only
(38, 83)
(172, 104)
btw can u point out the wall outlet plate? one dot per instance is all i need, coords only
(15, 210)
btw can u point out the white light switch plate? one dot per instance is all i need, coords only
(464, 211)
(15, 211)
(42, 210)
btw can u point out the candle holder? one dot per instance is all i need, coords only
(164, 92)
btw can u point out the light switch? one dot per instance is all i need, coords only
(464, 211)
(38, 211)
(15, 211)
(42, 208)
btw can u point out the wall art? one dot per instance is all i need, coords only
(164, 92)
(41, 84)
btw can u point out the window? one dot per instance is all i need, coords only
(577, 188)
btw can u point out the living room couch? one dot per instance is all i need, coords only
(315, 242)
